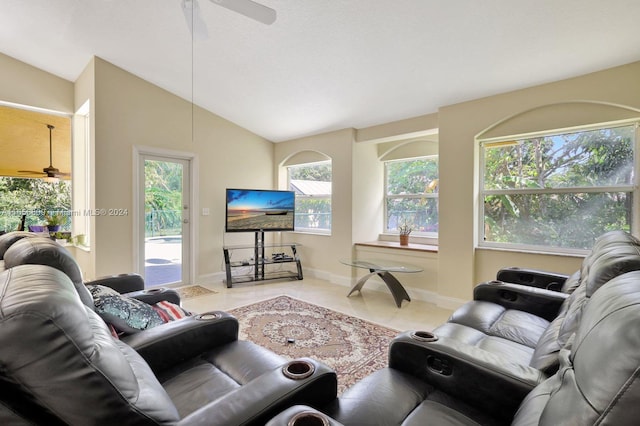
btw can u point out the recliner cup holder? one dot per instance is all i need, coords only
(424, 336)
(308, 418)
(154, 290)
(298, 369)
(208, 316)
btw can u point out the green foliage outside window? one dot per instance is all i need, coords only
(412, 194)
(313, 208)
(558, 190)
(33, 198)
(163, 198)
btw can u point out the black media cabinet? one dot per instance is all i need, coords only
(262, 266)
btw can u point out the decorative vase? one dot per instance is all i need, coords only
(404, 240)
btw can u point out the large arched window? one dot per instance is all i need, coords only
(411, 187)
(557, 190)
(309, 175)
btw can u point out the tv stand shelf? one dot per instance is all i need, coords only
(261, 265)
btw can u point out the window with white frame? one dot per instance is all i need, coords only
(411, 195)
(312, 185)
(82, 179)
(557, 191)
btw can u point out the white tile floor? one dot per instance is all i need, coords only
(375, 306)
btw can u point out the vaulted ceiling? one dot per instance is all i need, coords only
(327, 64)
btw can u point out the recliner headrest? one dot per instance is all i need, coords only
(43, 251)
(8, 239)
(613, 256)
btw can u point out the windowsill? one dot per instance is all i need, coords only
(568, 253)
(81, 248)
(307, 232)
(396, 245)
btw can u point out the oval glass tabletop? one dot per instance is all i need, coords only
(381, 265)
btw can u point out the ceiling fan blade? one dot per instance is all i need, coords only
(191, 11)
(31, 172)
(250, 9)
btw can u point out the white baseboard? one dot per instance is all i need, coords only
(348, 282)
(213, 278)
(451, 303)
(415, 293)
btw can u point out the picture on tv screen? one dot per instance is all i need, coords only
(250, 210)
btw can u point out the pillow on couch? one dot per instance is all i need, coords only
(124, 313)
(170, 311)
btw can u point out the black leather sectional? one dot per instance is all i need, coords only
(517, 354)
(60, 364)
(532, 348)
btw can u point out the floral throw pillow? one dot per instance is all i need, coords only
(124, 313)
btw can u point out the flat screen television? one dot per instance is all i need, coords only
(252, 210)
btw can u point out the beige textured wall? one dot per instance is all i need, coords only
(130, 111)
(27, 85)
(460, 266)
(321, 252)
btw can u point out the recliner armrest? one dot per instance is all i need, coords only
(168, 344)
(152, 296)
(532, 277)
(267, 395)
(536, 301)
(473, 375)
(122, 283)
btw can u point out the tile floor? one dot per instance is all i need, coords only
(375, 306)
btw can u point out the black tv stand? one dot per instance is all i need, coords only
(260, 263)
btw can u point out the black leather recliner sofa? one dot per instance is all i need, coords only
(433, 381)
(39, 250)
(120, 300)
(528, 325)
(59, 364)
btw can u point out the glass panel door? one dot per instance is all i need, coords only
(166, 220)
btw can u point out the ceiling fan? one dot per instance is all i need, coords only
(248, 8)
(50, 174)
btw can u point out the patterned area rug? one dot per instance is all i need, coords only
(193, 291)
(353, 347)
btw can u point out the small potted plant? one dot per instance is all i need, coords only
(54, 221)
(404, 230)
(60, 238)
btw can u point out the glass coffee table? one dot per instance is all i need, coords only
(383, 269)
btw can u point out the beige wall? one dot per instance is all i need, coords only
(320, 253)
(130, 111)
(608, 95)
(460, 265)
(26, 85)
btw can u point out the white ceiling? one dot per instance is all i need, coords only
(328, 64)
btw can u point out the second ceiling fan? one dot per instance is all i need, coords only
(50, 173)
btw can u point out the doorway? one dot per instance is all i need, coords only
(164, 219)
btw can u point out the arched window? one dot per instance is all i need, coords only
(309, 175)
